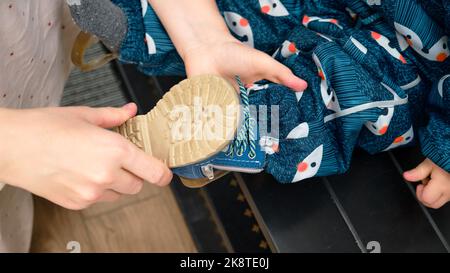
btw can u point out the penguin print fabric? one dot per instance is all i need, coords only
(378, 74)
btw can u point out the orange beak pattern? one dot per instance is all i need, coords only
(305, 19)
(292, 48)
(321, 75)
(243, 22)
(383, 130)
(375, 35)
(399, 139)
(265, 9)
(302, 167)
(402, 59)
(441, 57)
(275, 148)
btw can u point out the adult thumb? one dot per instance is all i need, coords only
(108, 117)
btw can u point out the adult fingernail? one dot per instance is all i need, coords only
(166, 178)
(129, 106)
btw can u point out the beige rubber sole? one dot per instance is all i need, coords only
(186, 127)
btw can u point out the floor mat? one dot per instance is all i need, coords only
(101, 87)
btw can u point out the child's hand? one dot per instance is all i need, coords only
(206, 46)
(229, 57)
(434, 191)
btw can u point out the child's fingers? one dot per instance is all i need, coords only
(439, 173)
(419, 173)
(419, 192)
(440, 202)
(444, 185)
(290, 80)
(432, 192)
(274, 71)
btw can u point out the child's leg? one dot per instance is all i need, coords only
(101, 18)
(147, 44)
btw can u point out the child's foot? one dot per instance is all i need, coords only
(201, 131)
(194, 121)
(98, 20)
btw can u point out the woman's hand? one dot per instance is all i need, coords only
(206, 46)
(65, 155)
(434, 192)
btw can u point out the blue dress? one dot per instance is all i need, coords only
(378, 74)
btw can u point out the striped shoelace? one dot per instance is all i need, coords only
(246, 136)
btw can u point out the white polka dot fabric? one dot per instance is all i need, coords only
(37, 38)
(35, 52)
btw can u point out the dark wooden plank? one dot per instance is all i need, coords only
(410, 158)
(299, 217)
(236, 217)
(382, 208)
(203, 227)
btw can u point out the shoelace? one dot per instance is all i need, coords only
(246, 135)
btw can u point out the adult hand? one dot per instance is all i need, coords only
(66, 156)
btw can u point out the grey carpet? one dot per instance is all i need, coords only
(101, 87)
